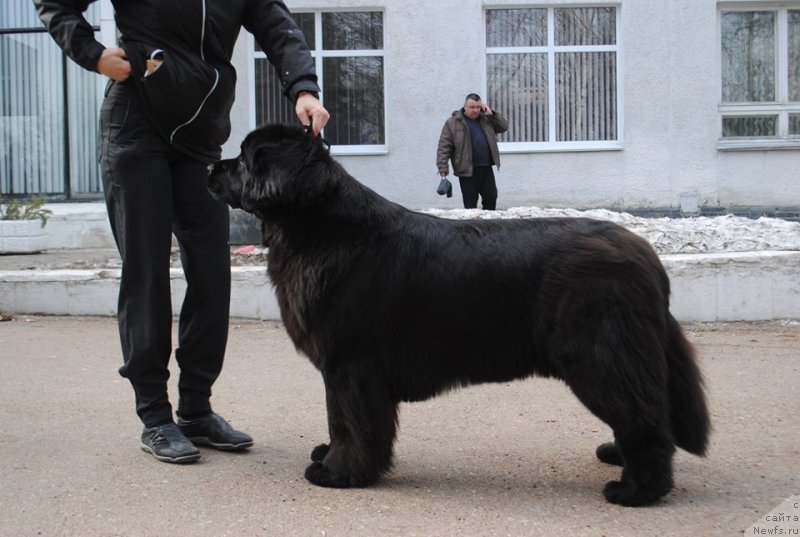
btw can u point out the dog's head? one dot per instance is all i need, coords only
(279, 165)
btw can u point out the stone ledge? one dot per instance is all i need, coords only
(743, 286)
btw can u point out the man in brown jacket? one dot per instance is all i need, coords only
(469, 140)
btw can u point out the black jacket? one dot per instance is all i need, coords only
(189, 97)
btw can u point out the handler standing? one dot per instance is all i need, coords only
(469, 139)
(163, 121)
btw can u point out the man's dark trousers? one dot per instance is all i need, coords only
(151, 192)
(482, 183)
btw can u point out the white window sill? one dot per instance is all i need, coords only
(358, 150)
(758, 145)
(562, 147)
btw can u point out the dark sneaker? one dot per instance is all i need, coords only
(213, 431)
(168, 444)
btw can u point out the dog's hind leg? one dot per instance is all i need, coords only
(647, 470)
(623, 381)
(362, 422)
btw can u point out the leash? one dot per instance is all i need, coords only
(323, 141)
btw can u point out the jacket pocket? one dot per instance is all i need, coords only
(175, 91)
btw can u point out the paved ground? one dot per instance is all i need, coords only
(62, 259)
(515, 459)
(92, 258)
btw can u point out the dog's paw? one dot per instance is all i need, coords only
(609, 453)
(628, 494)
(319, 452)
(320, 475)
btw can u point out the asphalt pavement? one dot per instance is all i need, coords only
(513, 459)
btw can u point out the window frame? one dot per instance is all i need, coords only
(71, 184)
(781, 106)
(319, 55)
(552, 145)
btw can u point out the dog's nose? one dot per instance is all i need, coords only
(210, 169)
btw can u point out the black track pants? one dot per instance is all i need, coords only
(151, 192)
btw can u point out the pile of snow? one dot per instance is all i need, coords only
(717, 234)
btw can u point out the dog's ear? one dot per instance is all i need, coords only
(286, 166)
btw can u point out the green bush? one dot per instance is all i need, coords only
(31, 209)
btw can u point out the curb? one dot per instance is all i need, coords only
(747, 286)
(94, 292)
(741, 286)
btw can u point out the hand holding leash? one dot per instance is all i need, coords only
(311, 112)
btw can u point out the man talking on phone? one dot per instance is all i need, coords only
(469, 140)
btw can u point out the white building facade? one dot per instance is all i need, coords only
(638, 105)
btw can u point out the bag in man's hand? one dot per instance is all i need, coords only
(445, 187)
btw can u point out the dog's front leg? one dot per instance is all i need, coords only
(362, 421)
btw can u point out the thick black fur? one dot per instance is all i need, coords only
(392, 305)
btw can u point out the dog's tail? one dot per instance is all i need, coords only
(689, 412)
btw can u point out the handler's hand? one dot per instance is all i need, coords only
(114, 64)
(310, 111)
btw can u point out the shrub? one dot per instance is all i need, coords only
(31, 209)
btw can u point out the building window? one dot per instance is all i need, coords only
(553, 73)
(760, 102)
(48, 111)
(348, 50)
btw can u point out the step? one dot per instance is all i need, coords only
(740, 286)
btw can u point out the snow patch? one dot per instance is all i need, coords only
(695, 235)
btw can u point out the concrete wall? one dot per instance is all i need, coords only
(671, 87)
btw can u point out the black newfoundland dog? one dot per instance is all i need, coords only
(393, 305)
